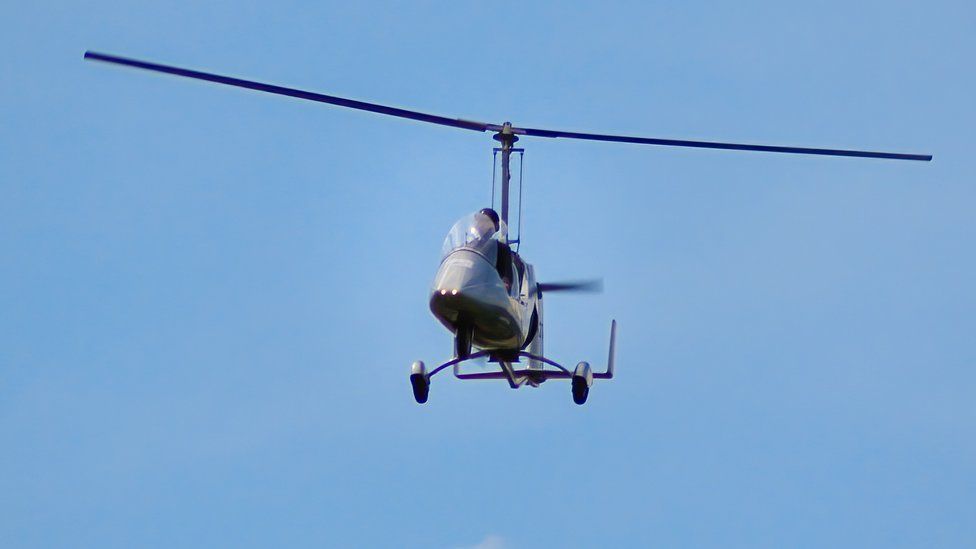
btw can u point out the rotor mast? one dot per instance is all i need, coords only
(507, 138)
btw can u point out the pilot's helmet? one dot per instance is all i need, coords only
(492, 215)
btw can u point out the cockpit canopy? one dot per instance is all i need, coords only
(476, 232)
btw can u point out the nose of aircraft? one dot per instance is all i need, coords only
(465, 283)
(468, 290)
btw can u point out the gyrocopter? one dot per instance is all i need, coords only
(484, 293)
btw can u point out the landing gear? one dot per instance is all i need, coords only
(420, 382)
(535, 374)
(462, 342)
(582, 379)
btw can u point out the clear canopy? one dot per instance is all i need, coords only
(476, 232)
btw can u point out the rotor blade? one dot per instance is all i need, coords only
(291, 92)
(575, 286)
(474, 125)
(715, 145)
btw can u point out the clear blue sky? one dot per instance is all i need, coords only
(210, 298)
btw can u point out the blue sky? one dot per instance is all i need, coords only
(211, 297)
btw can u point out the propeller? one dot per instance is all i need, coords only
(587, 286)
(483, 126)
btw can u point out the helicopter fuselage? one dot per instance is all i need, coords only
(469, 294)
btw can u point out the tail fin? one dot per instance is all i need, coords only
(613, 345)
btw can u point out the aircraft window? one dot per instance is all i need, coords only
(475, 232)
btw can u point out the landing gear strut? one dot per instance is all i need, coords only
(462, 342)
(534, 375)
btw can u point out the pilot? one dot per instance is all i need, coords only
(503, 263)
(486, 222)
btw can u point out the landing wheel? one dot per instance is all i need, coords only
(420, 382)
(421, 388)
(582, 379)
(580, 390)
